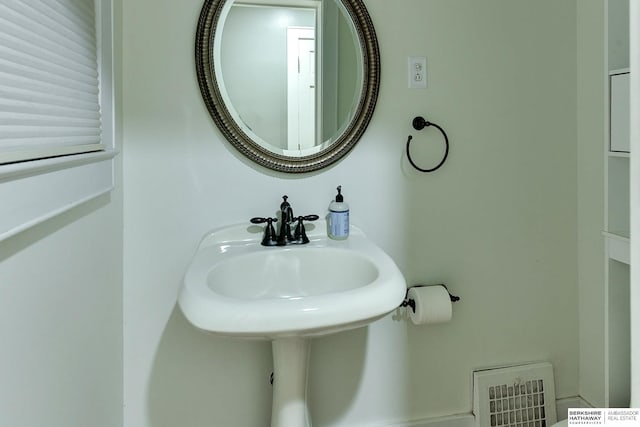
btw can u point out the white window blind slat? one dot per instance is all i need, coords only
(72, 12)
(44, 72)
(29, 124)
(84, 8)
(35, 97)
(7, 81)
(44, 143)
(49, 79)
(44, 46)
(67, 34)
(16, 41)
(32, 108)
(23, 135)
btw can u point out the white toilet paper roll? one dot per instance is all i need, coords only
(433, 305)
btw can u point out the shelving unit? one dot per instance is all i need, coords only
(617, 238)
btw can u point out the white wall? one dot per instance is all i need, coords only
(60, 321)
(497, 223)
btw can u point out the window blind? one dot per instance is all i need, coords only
(49, 79)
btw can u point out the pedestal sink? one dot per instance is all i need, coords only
(236, 287)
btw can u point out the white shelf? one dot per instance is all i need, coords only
(619, 71)
(619, 112)
(618, 246)
(619, 154)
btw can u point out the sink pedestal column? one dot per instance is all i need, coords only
(290, 361)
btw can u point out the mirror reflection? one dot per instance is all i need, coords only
(290, 72)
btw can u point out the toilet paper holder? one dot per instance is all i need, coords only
(408, 302)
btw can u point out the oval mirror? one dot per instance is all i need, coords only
(292, 84)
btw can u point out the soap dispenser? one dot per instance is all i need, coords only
(338, 225)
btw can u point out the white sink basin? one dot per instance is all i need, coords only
(237, 287)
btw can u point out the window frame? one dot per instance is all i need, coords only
(35, 190)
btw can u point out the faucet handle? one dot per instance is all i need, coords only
(269, 238)
(260, 220)
(300, 234)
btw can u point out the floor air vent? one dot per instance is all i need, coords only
(515, 396)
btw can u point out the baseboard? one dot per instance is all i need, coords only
(467, 420)
(461, 420)
(562, 405)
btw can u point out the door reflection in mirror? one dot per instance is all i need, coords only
(301, 88)
(292, 84)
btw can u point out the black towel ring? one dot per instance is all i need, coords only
(420, 123)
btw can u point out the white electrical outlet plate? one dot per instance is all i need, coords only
(417, 72)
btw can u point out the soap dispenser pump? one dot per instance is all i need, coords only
(338, 225)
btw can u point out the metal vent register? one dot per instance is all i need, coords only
(515, 396)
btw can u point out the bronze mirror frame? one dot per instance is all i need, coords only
(208, 82)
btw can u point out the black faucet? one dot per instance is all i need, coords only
(284, 236)
(286, 218)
